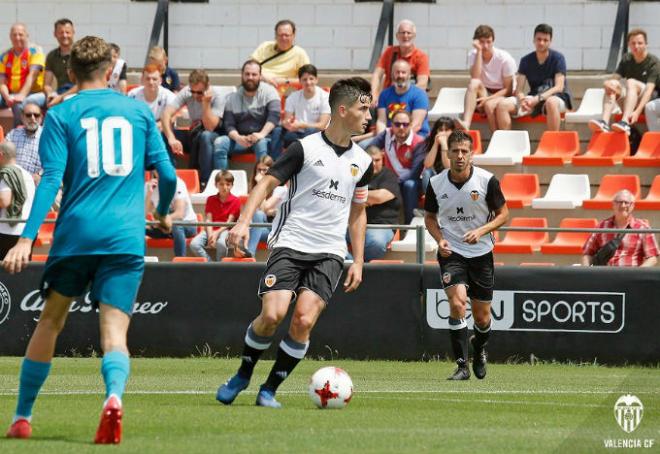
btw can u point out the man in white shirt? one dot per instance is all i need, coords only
(306, 111)
(152, 93)
(492, 73)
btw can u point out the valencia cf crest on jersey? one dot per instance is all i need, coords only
(354, 170)
(270, 280)
(474, 195)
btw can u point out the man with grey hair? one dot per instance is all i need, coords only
(406, 50)
(26, 140)
(16, 196)
(631, 249)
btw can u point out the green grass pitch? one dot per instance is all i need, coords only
(397, 407)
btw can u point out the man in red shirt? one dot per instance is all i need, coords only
(635, 249)
(222, 207)
(406, 50)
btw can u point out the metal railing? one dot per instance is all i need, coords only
(385, 23)
(618, 34)
(161, 22)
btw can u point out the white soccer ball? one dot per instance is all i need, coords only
(330, 387)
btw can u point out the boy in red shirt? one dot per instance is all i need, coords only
(222, 207)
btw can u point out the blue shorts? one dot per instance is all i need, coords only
(115, 279)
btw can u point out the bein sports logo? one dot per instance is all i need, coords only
(5, 303)
(519, 310)
(628, 412)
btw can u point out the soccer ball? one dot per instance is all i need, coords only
(330, 387)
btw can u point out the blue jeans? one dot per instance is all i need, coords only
(427, 174)
(375, 243)
(179, 234)
(223, 147)
(257, 234)
(410, 195)
(17, 109)
(205, 157)
(282, 138)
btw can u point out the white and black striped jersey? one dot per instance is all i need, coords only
(461, 207)
(323, 179)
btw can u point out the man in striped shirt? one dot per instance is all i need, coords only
(635, 249)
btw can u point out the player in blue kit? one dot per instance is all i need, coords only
(98, 144)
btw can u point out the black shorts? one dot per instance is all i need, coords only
(287, 269)
(477, 273)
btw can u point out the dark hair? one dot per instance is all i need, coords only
(484, 31)
(251, 61)
(64, 21)
(286, 22)
(224, 175)
(115, 47)
(307, 69)
(90, 57)
(543, 28)
(447, 122)
(635, 32)
(459, 136)
(348, 91)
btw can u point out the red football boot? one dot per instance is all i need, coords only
(20, 429)
(109, 431)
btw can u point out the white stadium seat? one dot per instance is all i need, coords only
(240, 186)
(591, 107)
(506, 148)
(565, 192)
(449, 103)
(224, 91)
(409, 242)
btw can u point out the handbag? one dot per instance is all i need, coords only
(606, 252)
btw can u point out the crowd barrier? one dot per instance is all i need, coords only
(398, 313)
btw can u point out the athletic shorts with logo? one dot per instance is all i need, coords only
(114, 278)
(288, 269)
(477, 273)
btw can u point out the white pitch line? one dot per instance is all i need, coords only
(491, 401)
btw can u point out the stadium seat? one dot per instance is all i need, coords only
(409, 242)
(129, 87)
(556, 148)
(520, 188)
(237, 259)
(648, 153)
(189, 259)
(476, 141)
(591, 107)
(240, 187)
(2, 134)
(610, 185)
(39, 257)
(449, 103)
(386, 262)
(652, 199)
(604, 149)
(506, 148)
(564, 192)
(570, 242)
(45, 235)
(284, 90)
(523, 242)
(191, 178)
(151, 259)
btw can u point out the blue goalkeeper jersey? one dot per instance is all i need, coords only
(98, 144)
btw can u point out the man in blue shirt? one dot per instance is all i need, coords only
(545, 71)
(98, 144)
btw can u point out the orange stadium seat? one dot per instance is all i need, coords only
(189, 259)
(45, 235)
(523, 242)
(386, 262)
(238, 259)
(286, 89)
(246, 158)
(476, 141)
(610, 185)
(604, 149)
(648, 153)
(129, 87)
(2, 134)
(652, 199)
(520, 189)
(191, 178)
(556, 148)
(570, 242)
(39, 257)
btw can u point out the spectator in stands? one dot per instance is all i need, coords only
(433, 150)
(401, 154)
(205, 106)
(406, 50)
(16, 196)
(632, 85)
(57, 64)
(153, 93)
(118, 75)
(170, 78)
(250, 115)
(181, 209)
(222, 207)
(545, 71)
(634, 249)
(26, 140)
(21, 73)
(281, 59)
(492, 72)
(383, 204)
(306, 111)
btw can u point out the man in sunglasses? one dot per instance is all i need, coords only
(27, 141)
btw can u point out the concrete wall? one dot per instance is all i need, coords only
(337, 34)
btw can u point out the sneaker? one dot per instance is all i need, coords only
(621, 126)
(109, 431)
(462, 372)
(479, 360)
(266, 398)
(228, 392)
(598, 126)
(20, 429)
